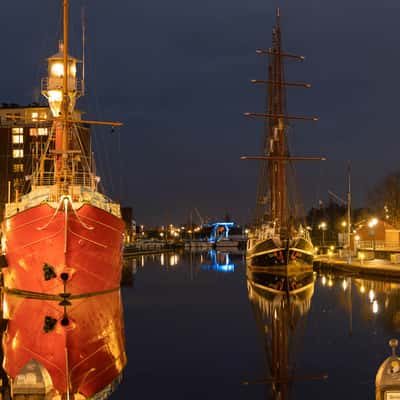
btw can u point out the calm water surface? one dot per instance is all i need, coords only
(192, 333)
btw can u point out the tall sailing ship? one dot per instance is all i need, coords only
(64, 232)
(278, 239)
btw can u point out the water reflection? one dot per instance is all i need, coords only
(280, 302)
(197, 259)
(377, 299)
(70, 349)
(219, 261)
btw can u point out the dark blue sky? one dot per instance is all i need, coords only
(177, 74)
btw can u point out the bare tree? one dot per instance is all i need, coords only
(384, 199)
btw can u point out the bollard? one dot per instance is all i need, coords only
(387, 382)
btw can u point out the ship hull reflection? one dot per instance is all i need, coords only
(280, 303)
(73, 350)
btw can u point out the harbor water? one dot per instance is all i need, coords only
(192, 332)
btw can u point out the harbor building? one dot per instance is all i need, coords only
(24, 133)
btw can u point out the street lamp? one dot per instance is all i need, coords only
(322, 226)
(371, 224)
(344, 238)
(356, 242)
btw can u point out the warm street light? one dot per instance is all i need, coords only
(322, 226)
(371, 224)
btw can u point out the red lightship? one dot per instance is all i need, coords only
(63, 246)
(64, 231)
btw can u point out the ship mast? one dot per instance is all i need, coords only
(65, 99)
(272, 183)
(277, 142)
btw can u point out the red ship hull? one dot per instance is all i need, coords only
(85, 356)
(42, 243)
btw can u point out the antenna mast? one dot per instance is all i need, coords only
(65, 99)
(83, 49)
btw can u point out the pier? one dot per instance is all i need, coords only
(382, 268)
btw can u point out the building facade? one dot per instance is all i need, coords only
(25, 134)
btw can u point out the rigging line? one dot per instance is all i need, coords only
(98, 143)
(76, 134)
(104, 149)
(120, 189)
(46, 149)
(297, 204)
(317, 187)
(88, 227)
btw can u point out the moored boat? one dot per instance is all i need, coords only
(64, 231)
(278, 238)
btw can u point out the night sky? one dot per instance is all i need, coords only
(177, 74)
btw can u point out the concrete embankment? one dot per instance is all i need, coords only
(137, 252)
(375, 267)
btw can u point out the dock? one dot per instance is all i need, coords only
(380, 268)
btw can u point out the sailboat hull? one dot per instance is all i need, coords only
(42, 243)
(269, 256)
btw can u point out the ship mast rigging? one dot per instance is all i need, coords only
(272, 193)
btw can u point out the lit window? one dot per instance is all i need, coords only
(18, 153)
(18, 167)
(42, 131)
(57, 69)
(33, 131)
(55, 95)
(43, 115)
(72, 69)
(18, 182)
(35, 116)
(17, 130)
(13, 117)
(17, 139)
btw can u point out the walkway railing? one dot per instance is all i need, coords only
(377, 245)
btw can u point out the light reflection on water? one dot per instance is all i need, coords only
(200, 298)
(196, 328)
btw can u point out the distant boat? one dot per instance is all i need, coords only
(227, 243)
(277, 239)
(197, 244)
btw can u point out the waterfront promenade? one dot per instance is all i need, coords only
(372, 267)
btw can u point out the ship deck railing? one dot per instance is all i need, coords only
(77, 179)
(53, 193)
